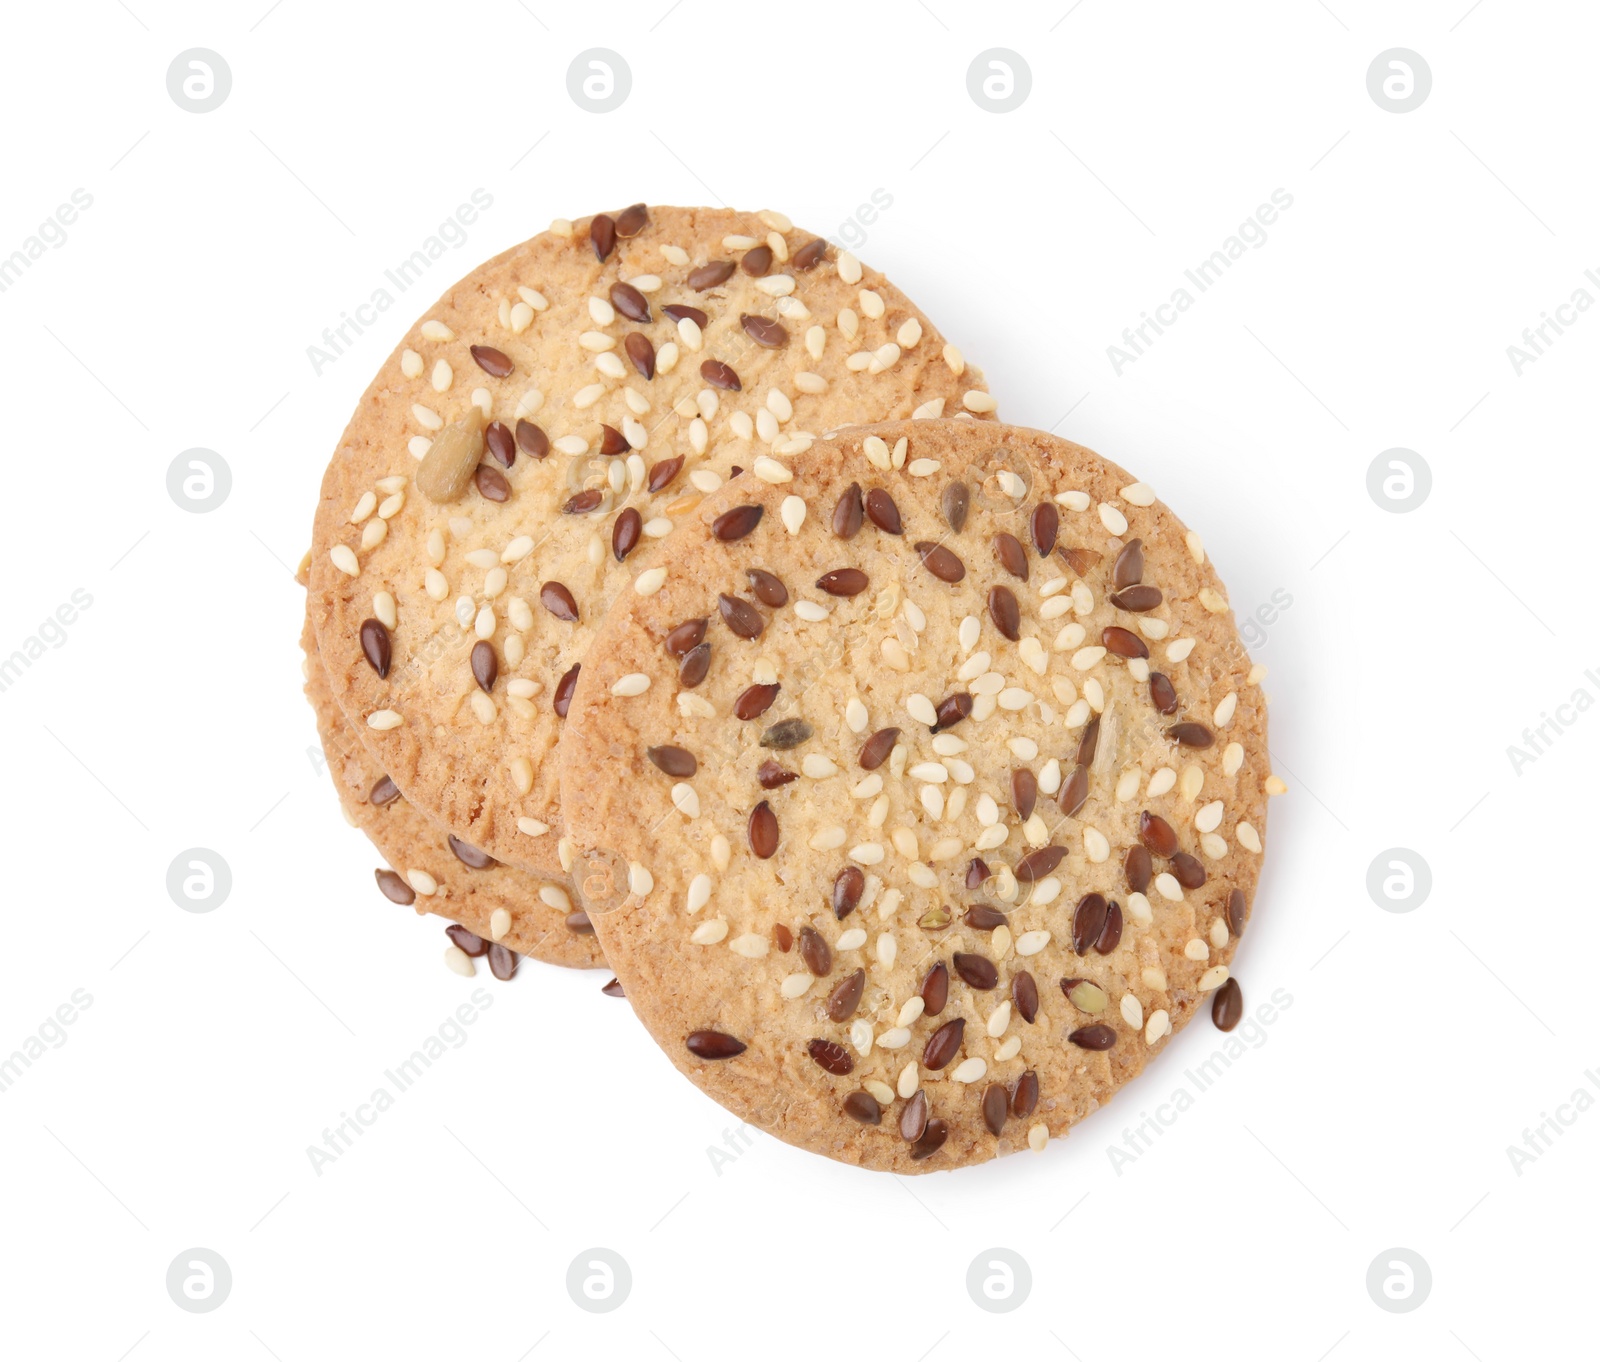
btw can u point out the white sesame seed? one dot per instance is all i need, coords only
(1138, 494)
(1038, 1136)
(344, 558)
(970, 1070)
(650, 581)
(827, 839)
(931, 410)
(1085, 658)
(895, 1038)
(634, 683)
(685, 800)
(979, 402)
(711, 932)
(1214, 601)
(861, 1035)
(1213, 846)
(483, 708)
(1031, 943)
(411, 363)
(769, 470)
(419, 445)
(795, 985)
(1196, 949)
(1168, 887)
(1248, 837)
(849, 268)
(422, 882)
(1209, 816)
(1073, 501)
(459, 961)
(437, 331)
(1213, 978)
(867, 853)
(532, 827)
(382, 720)
(750, 946)
(1158, 1026)
(1095, 845)
(483, 624)
(793, 510)
(1274, 786)
(923, 468)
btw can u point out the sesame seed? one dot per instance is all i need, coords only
(895, 1038)
(1038, 1136)
(1196, 949)
(1213, 601)
(1274, 786)
(422, 882)
(1138, 494)
(827, 839)
(532, 827)
(1132, 1011)
(750, 946)
(1031, 943)
(1113, 519)
(970, 1070)
(978, 402)
(849, 268)
(483, 708)
(1158, 1026)
(634, 683)
(522, 775)
(709, 933)
(1073, 501)
(923, 468)
(650, 581)
(929, 411)
(437, 331)
(382, 720)
(1209, 816)
(410, 363)
(1095, 845)
(1248, 837)
(793, 510)
(1213, 978)
(795, 985)
(1191, 783)
(344, 558)
(459, 962)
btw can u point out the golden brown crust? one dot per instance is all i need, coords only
(620, 807)
(454, 748)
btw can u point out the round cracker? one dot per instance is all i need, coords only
(811, 347)
(723, 954)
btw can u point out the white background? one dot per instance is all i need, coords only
(1378, 1109)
